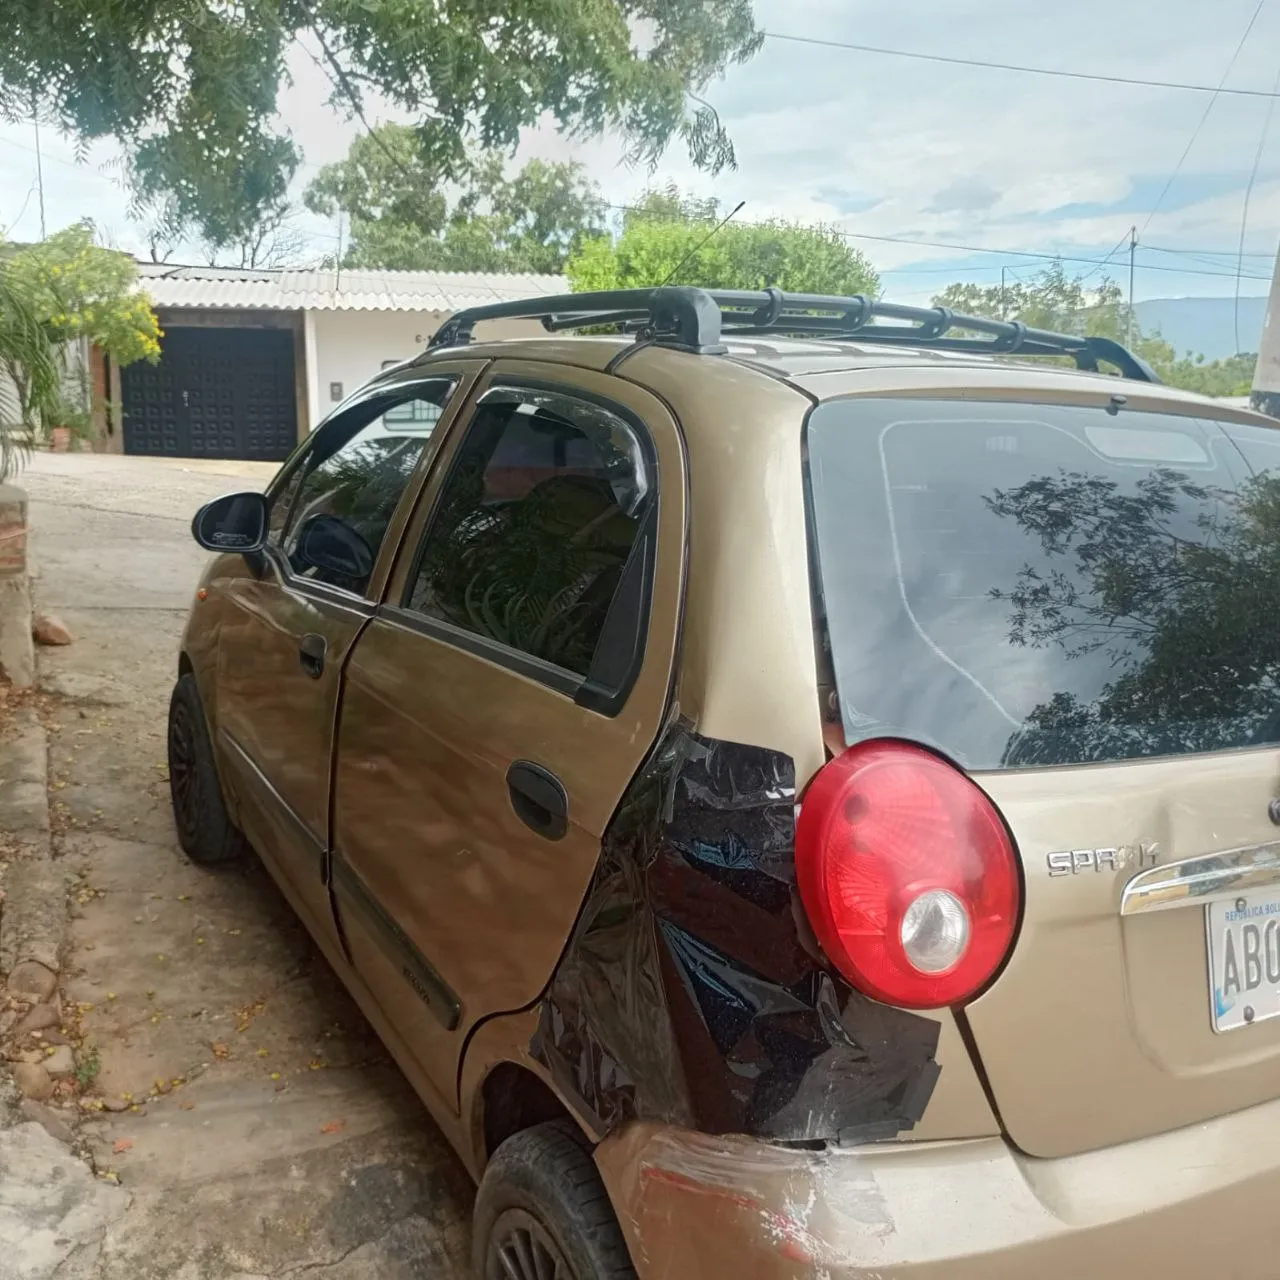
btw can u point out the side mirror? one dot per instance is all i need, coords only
(237, 522)
(331, 545)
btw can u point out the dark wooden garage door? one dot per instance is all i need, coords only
(216, 393)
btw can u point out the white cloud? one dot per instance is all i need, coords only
(921, 150)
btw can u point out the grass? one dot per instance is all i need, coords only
(88, 1064)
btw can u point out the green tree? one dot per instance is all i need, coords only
(66, 288)
(666, 237)
(406, 213)
(81, 290)
(1230, 377)
(191, 89)
(1054, 300)
(30, 372)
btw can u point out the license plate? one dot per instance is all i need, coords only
(1244, 960)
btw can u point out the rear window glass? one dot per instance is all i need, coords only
(1022, 585)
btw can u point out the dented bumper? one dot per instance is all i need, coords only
(1191, 1203)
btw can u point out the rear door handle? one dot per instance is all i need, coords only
(539, 799)
(311, 654)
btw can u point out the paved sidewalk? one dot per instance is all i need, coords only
(255, 1124)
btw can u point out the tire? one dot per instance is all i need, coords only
(205, 830)
(542, 1212)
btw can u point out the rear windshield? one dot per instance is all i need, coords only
(1022, 585)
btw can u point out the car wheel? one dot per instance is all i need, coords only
(205, 830)
(542, 1212)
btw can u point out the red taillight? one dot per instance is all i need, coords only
(907, 874)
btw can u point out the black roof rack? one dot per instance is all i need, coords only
(698, 319)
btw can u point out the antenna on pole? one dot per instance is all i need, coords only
(337, 278)
(1133, 249)
(697, 248)
(35, 120)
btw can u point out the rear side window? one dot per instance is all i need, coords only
(535, 526)
(1022, 585)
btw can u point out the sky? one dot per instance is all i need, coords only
(889, 149)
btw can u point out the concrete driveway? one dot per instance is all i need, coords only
(254, 1121)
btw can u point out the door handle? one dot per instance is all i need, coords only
(311, 654)
(539, 799)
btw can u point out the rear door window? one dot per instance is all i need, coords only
(536, 524)
(1022, 585)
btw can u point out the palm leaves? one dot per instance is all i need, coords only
(537, 574)
(30, 372)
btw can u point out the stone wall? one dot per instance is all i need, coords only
(17, 656)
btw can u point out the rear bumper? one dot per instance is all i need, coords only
(1196, 1202)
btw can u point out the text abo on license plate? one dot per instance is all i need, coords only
(1244, 960)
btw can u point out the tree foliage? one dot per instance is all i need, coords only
(80, 290)
(191, 88)
(52, 294)
(405, 212)
(1054, 300)
(30, 372)
(1176, 583)
(669, 238)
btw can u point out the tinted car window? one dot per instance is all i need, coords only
(1025, 585)
(534, 525)
(354, 476)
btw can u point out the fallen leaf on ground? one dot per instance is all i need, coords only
(187, 1105)
(245, 1015)
(220, 1050)
(334, 1126)
(121, 1144)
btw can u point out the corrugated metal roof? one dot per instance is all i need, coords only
(439, 291)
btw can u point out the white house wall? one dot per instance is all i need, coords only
(344, 349)
(351, 346)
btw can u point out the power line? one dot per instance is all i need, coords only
(68, 164)
(1124, 239)
(1012, 66)
(1025, 253)
(1244, 212)
(1208, 253)
(31, 190)
(972, 248)
(1195, 133)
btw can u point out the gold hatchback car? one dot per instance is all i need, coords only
(794, 781)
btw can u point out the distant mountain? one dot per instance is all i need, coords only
(1203, 326)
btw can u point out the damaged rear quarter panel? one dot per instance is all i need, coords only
(687, 995)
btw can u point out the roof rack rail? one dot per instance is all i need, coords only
(698, 320)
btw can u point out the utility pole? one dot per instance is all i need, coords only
(1133, 249)
(1266, 380)
(35, 120)
(1004, 305)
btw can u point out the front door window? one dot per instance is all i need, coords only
(340, 499)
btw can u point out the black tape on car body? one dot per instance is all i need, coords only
(688, 994)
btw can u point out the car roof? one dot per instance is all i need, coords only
(824, 369)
